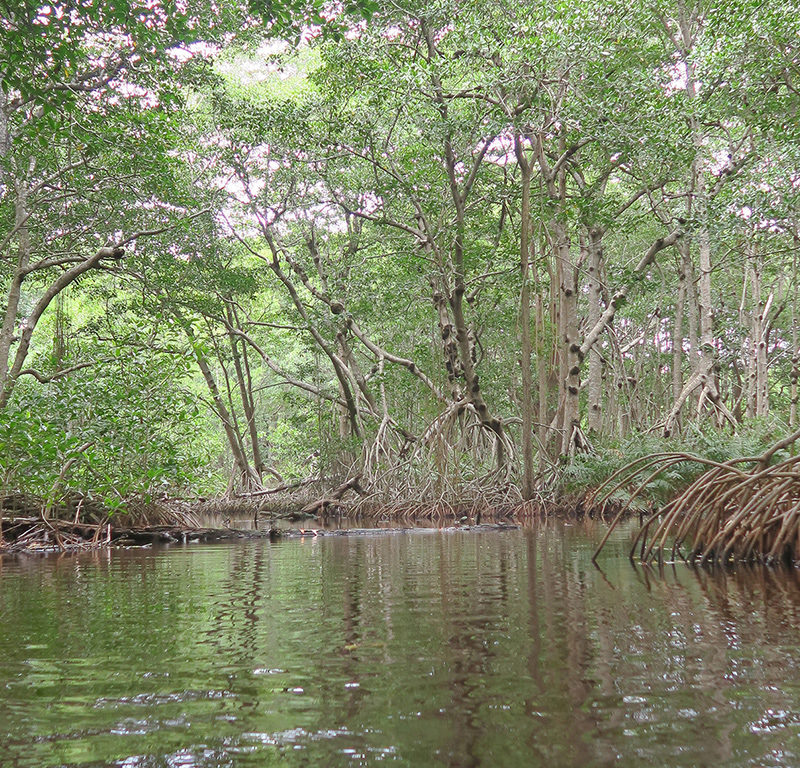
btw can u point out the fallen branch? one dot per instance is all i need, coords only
(323, 505)
(279, 488)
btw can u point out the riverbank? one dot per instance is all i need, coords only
(28, 524)
(35, 535)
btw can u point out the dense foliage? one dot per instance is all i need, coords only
(454, 247)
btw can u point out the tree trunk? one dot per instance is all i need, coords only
(795, 350)
(242, 369)
(244, 471)
(760, 337)
(677, 336)
(594, 380)
(542, 381)
(571, 348)
(14, 291)
(525, 328)
(699, 208)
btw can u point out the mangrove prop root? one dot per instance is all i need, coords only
(730, 512)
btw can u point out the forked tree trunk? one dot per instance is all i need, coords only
(242, 368)
(459, 193)
(760, 337)
(247, 479)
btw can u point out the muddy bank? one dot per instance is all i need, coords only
(28, 524)
(31, 535)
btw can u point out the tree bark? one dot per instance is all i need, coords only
(594, 379)
(242, 369)
(525, 323)
(247, 477)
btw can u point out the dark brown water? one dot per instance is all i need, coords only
(459, 649)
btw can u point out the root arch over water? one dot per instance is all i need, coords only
(745, 509)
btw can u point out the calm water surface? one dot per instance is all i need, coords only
(457, 649)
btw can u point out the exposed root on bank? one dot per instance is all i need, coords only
(447, 489)
(739, 510)
(37, 534)
(29, 523)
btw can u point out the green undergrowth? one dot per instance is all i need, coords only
(587, 472)
(123, 431)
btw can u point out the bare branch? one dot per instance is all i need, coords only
(45, 379)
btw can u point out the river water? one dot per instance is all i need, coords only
(427, 648)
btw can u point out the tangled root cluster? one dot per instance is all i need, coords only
(740, 510)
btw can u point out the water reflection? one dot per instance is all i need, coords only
(455, 649)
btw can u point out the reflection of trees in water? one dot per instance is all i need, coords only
(492, 649)
(706, 651)
(559, 655)
(533, 653)
(469, 608)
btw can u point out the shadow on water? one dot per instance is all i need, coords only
(456, 649)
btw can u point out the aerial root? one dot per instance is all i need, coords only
(728, 513)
